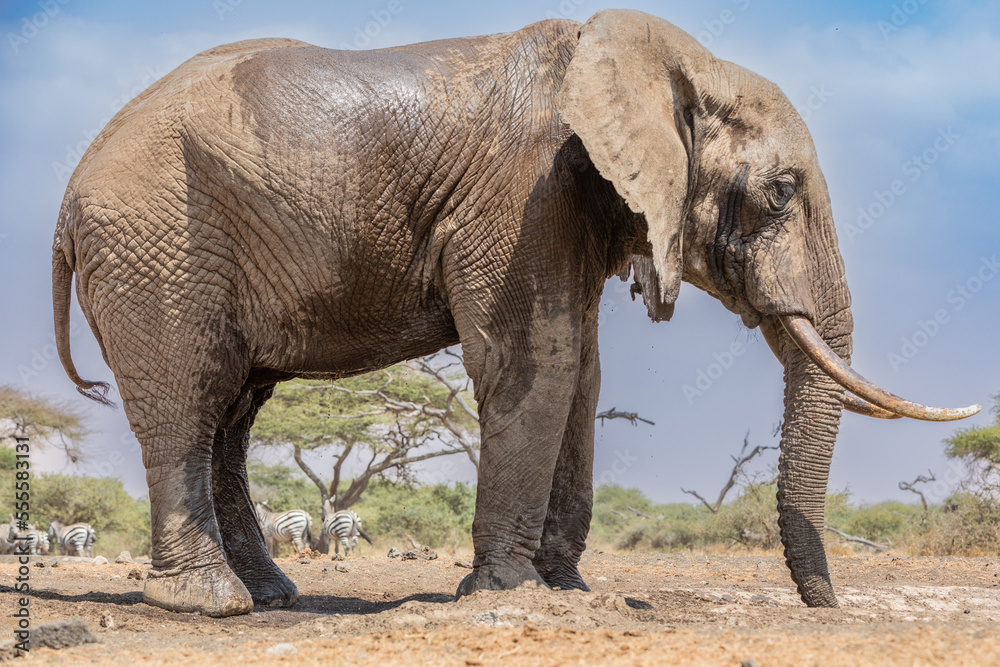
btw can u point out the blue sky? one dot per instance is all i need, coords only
(902, 100)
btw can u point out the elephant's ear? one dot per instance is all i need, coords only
(620, 96)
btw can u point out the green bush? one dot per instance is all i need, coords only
(889, 522)
(438, 516)
(120, 521)
(967, 525)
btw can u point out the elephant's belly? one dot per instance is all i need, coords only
(358, 344)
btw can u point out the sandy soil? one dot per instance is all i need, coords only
(648, 609)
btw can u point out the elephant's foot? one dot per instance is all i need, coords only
(211, 591)
(271, 588)
(497, 577)
(566, 577)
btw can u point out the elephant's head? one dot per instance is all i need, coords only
(723, 168)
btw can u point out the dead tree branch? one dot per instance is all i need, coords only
(615, 414)
(921, 479)
(741, 460)
(637, 512)
(859, 540)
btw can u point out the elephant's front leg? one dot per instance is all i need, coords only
(524, 389)
(571, 500)
(246, 551)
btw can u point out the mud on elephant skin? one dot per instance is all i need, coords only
(271, 210)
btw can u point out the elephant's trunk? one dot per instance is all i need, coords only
(813, 404)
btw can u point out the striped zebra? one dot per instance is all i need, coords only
(293, 526)
(26, 542)
(341, 527)
(74, 540)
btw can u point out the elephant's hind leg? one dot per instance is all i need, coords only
(571, 500)
(246, 551)
(177, 376)
(190, 573)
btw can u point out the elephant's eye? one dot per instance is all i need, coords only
(779, 194)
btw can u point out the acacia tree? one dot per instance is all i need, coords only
(51, 422)
(381, 422)
(978, 447)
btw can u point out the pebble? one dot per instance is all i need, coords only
(282, 649)
(101, 560)
(124, 557)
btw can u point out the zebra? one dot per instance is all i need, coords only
(8, 533)
(76, 539)
(28, 542)
(293, 526)
(343, 525)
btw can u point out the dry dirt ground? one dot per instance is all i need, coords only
(648, 609)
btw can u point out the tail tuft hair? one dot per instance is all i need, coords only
(98, 392)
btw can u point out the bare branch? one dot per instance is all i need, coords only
(712, 508)
(637, 512)
(859, 540)
(741, 460)
(920, 479)
(615, 414)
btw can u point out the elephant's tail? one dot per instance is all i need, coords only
(62, 283)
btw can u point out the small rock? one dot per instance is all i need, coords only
(337, 557)
(340, 567)
(304, 561)
(602, 578)
(61, 634)
(39, 563)
(282, 649)
(124, 557)
(749, 662)
(136, 573)
(425, 553)
(100, 560)
(394, 553)
(967, 611)
(463, 563)
(107, 621)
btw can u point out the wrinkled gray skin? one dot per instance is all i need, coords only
(272, 210)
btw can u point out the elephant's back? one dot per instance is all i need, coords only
(152, 106)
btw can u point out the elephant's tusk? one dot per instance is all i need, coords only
(862, 407)
(812, 344)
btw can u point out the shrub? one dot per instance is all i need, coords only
(120, 521)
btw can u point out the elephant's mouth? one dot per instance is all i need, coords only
(862, 396)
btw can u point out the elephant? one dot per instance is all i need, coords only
(273, 210)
